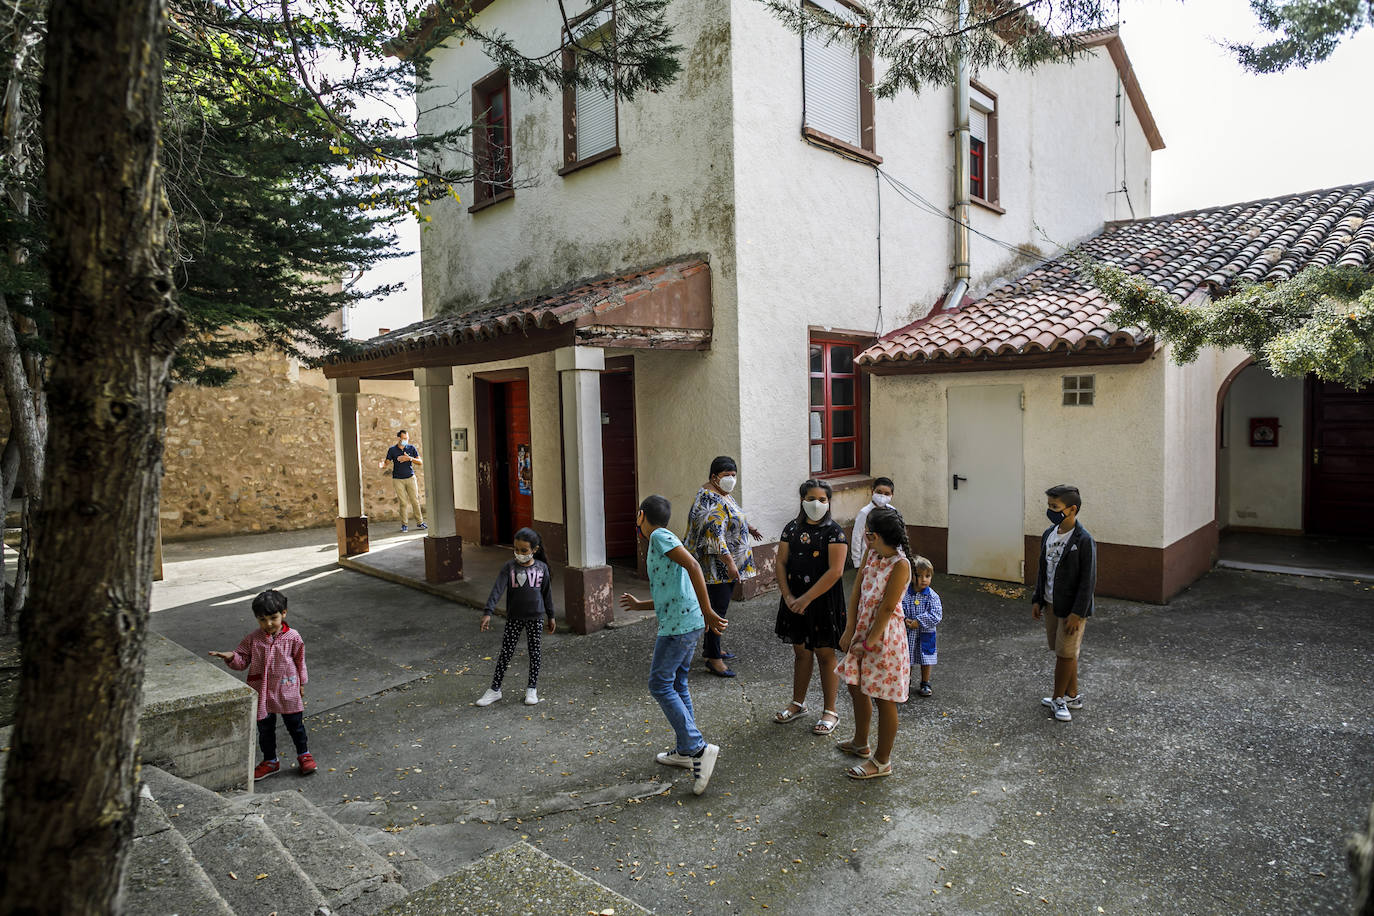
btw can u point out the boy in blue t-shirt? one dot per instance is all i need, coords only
(678, 597)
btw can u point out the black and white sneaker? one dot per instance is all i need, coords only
(703, 767)
(1072, 702)
(674, 759)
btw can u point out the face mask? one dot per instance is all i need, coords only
(815, 509)
(728, 483)
(881, 500)
(403, 443)
(1054, 516)
(524, 559)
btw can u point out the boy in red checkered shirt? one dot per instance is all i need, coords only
(274, 655)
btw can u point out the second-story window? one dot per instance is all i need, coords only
(982, 145)
(836, 83)
(590, 125)
(492, 161)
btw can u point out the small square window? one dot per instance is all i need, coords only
(1079, 390)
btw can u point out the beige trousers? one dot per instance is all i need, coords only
(408, 494)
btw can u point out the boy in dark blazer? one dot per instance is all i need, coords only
(1064, 588)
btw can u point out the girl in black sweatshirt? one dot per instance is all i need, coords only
(529, 603)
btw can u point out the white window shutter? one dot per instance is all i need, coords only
(596, 131)
(978, 124)
(831, 83)
(596, 115)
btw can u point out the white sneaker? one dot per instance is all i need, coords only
(674, 759)
(1071, 702)
(531, 696)
(703, 767)
(1061, 710)
(491, 696)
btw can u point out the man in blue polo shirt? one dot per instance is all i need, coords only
(403, 458)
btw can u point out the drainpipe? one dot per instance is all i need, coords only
(961, 170)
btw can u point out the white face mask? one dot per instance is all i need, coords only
(524, 559)
(727, 484)
(815, 509)
(881, 500)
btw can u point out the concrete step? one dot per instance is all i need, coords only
(518, 879)
(243, 858)
(415, 870)
(163, 877)
(353, 878)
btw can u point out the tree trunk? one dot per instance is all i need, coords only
(69, 792)
(1361, 853)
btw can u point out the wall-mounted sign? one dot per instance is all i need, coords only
(524, 470)
(460, 440)
(1264, 432)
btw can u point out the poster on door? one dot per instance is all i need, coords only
(524, 479)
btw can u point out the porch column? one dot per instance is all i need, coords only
(443, 546)
(587, 590)
(351, 525)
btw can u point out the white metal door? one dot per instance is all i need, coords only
(985, 482)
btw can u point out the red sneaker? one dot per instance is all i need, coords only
(306, 763)
(266, 769)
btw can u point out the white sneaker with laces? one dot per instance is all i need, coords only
(491, 696)
(531, 696)
(703, 767)
(1061, 710)
(674, 759)
(1071, 702)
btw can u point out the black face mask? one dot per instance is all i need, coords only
(1054, 516)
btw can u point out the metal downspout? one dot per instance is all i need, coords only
(961, 169)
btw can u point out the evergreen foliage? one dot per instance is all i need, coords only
(1320, 321)
(1311, 31)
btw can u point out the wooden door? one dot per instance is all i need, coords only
(620, 483)
(1340, 459)
(518, 456)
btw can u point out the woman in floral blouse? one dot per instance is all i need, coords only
(718, 536)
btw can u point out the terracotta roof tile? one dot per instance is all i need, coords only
(540, 310)
(1212, 250)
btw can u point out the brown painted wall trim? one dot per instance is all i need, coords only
(555, 535)
(1188, 558)
(1150, 574)
(469, 524)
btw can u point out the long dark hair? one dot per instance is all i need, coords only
(531, 537)
(888, 524)
(806, 487)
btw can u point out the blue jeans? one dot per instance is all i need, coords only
(668, 684)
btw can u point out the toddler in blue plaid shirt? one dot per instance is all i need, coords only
(921, 608)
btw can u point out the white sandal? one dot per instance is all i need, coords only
(783, 716)
(823, 727)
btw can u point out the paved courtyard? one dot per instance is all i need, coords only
(1221, 760)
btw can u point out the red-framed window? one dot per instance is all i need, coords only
(977, 168)
(491, 137)
(836, 413)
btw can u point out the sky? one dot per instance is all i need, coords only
(1229, 135)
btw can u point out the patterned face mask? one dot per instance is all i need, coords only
(524, 559)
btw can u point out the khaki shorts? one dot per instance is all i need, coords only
(1062, 643)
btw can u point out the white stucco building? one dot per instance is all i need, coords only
(632, 288)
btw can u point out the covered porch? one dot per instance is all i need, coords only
(564, 337)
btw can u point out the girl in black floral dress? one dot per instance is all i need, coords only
(811, 614)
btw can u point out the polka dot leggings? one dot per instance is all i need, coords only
(533, 630)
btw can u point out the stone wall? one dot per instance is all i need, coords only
(258, 454)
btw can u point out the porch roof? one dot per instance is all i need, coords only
(1051, 316)
(664, 306)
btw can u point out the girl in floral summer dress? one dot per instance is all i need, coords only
(877, 664)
